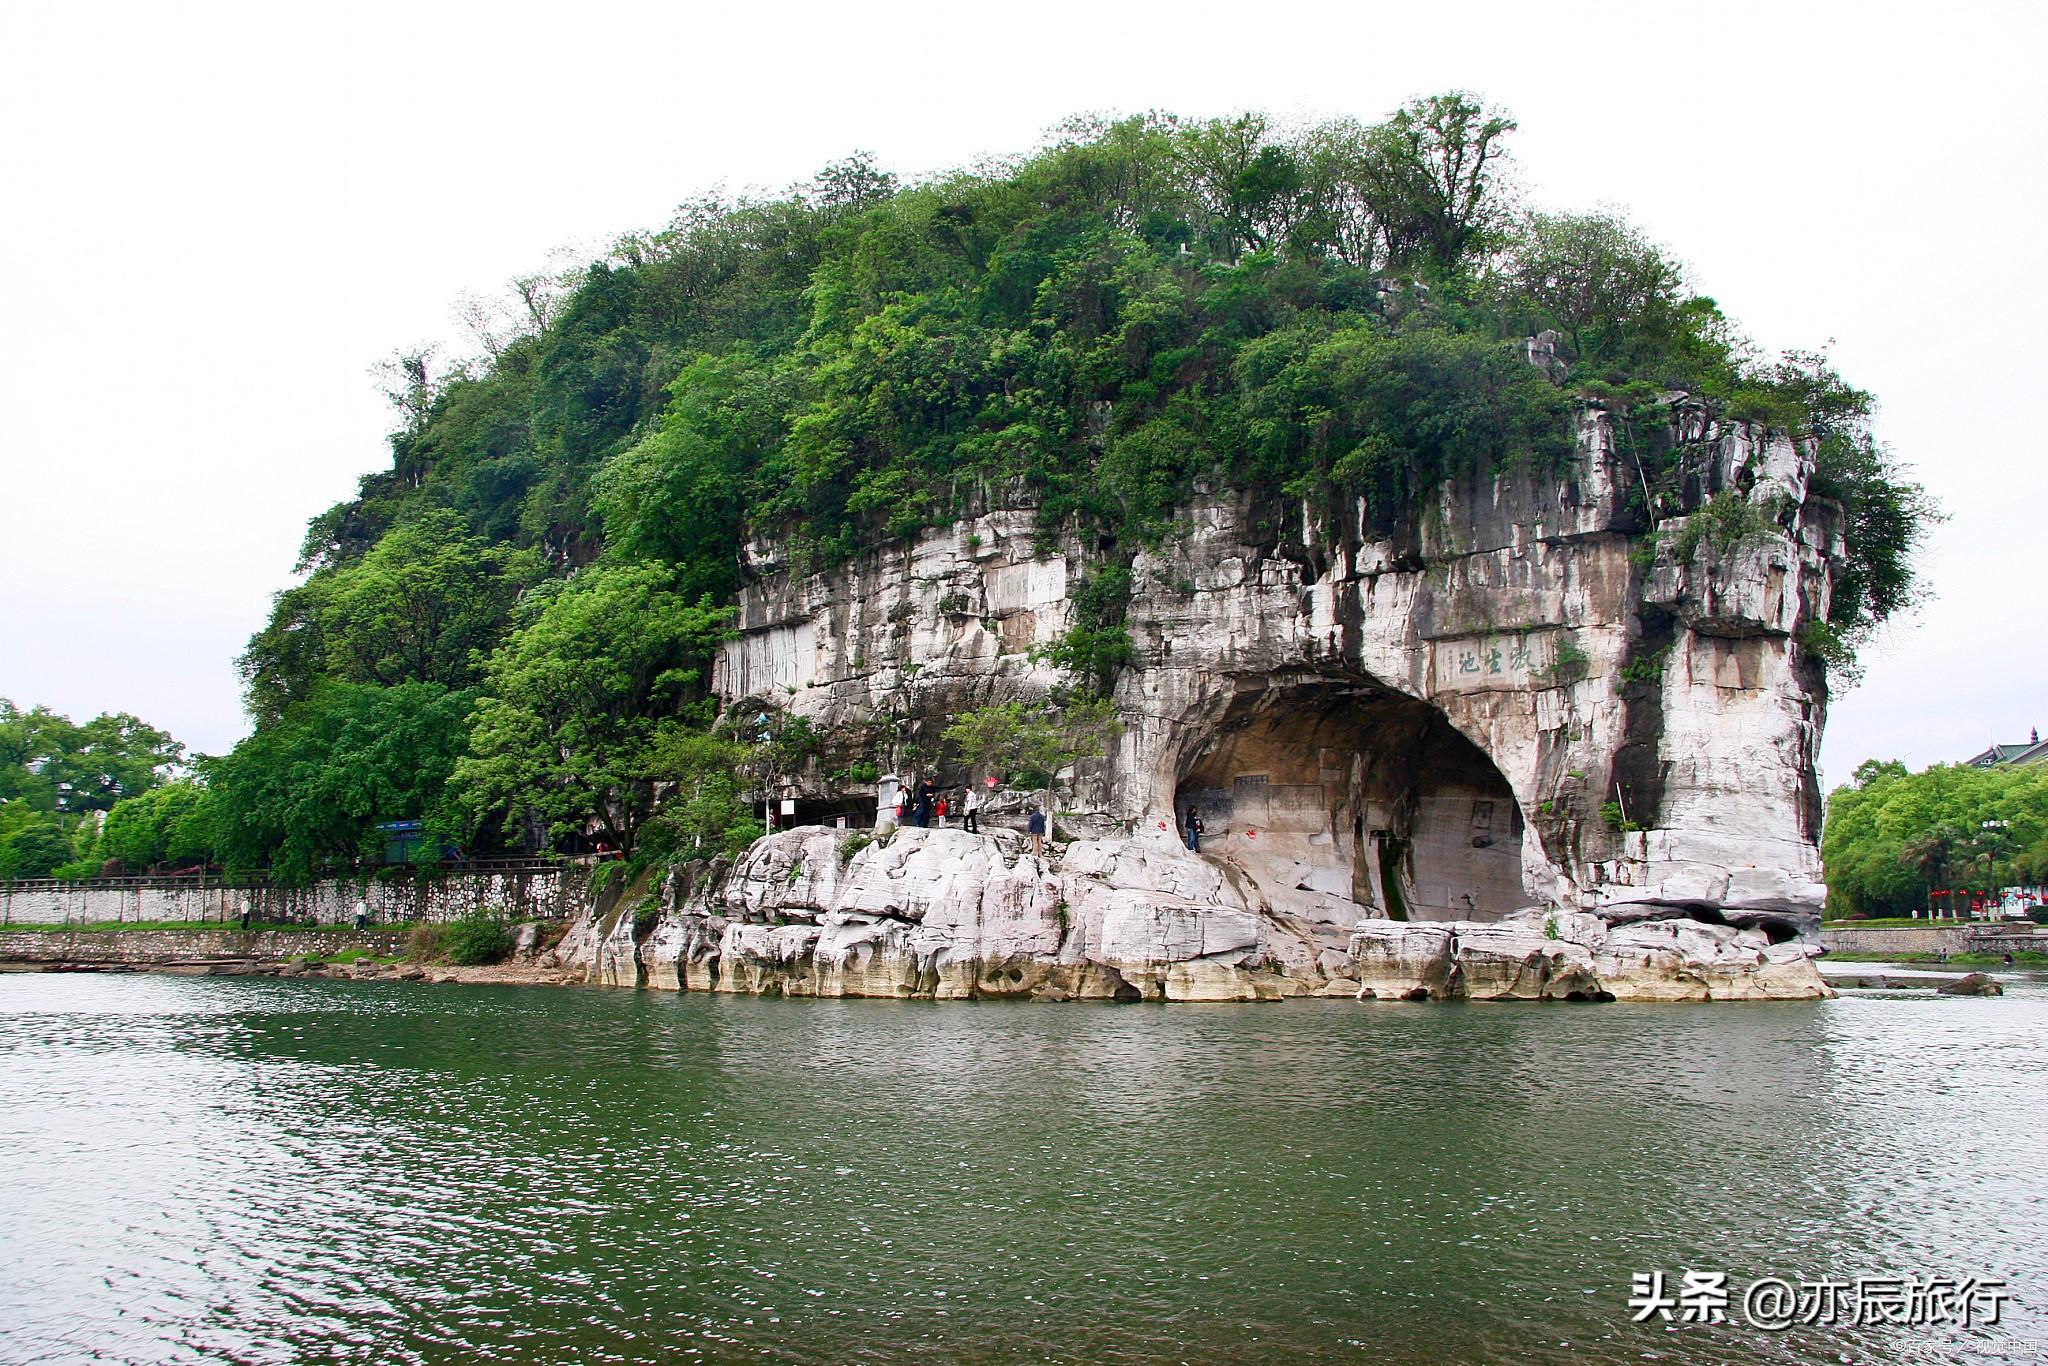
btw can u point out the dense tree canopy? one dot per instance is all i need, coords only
(424, 604)
(168, 825)
(583, 699)
(1893, 837)
(55, 766)
(36, 850)
(309, 790)
(56, 777)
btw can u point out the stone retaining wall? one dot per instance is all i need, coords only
(547, 894)
(175, 946)
(1930, 939)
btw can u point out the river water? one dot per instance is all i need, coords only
(253, 1170)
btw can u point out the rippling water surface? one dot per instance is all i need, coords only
(288, 1171)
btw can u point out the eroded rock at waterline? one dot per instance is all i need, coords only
(948, 915)
(1561, 956)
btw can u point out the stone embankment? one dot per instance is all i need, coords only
(1848, 941)
(948, 915)
(169, 948)
(263, 953)
(520, 891)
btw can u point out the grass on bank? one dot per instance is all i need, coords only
(348, 956)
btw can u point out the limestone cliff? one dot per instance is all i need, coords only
(1549, 693)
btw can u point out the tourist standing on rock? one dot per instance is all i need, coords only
(927, 798)
(970, 810)
(939, 810)
(1194, 827)
(1036, 825)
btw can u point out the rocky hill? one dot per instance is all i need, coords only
(1442, 727)
(1446, 558)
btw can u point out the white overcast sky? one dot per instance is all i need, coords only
(214, 219)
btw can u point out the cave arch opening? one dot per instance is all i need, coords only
(1328, 791)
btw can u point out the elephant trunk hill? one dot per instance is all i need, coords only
(1495, 750)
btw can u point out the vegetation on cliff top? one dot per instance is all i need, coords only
(1140, 305)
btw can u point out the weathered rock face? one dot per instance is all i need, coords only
(1533, 694)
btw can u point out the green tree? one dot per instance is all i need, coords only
(704, 809)
(308, 791)
(1250, 185)
(1031, 744)
(424, 604)
(1598, 280)
(680, 493)
(1431, 176)
(1893, 837)
(1149, 468)
(1361, 411)
(602, 667)
(34, 851)
(56, 766)
(1097, 645)
(1888, 517)
(28, 741)
(170, 824)
(1934, 854)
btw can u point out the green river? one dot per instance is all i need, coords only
(254, 1170)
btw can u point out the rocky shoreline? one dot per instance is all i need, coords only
(945, 915)
(942, 914)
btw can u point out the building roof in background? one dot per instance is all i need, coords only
(2031, 751)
